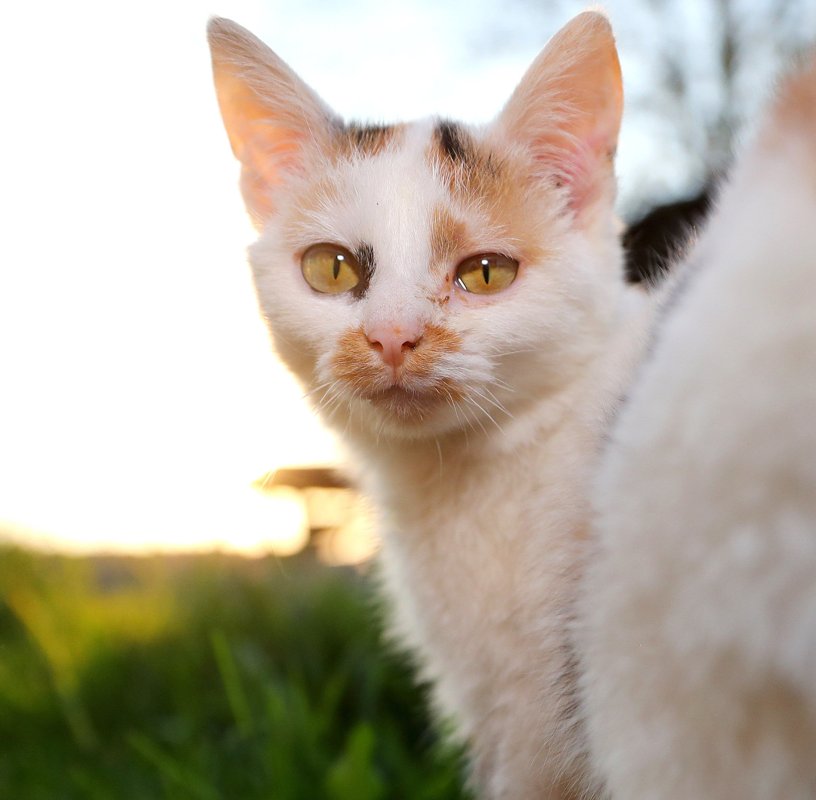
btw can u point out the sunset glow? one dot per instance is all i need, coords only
(140, 395)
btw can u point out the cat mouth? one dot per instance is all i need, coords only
(408, 405)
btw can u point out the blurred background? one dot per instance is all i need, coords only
(186, 599)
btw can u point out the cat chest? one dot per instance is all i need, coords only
(485, 546)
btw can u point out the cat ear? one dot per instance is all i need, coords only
(567, 109)
(270, 114)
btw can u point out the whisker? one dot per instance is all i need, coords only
(316, 389)
(476, 418)
(502, 384)
(458, 418)
(491, 398)
(485, 412)
(518, 352)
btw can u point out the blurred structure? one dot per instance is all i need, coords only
(696, 74)
(340, 522)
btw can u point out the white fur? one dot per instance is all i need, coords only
(700, 599)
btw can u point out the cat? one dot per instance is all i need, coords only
(452, 298)
(698, 605)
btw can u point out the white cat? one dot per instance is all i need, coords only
(698, 614)
(453, 300)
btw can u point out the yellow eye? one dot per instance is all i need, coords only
(486, 273)
(330, 269)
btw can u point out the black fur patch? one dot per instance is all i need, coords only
(654, 243)
(453, 141)
(368, 139)
(365, 259)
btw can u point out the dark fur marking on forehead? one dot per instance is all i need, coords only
(454, 141)
(468, 167)
(366, 140)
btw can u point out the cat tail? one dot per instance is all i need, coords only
(700, 599)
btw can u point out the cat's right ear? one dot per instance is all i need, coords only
(270, 114)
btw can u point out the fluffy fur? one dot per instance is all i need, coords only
(700, 600)
(478, 448)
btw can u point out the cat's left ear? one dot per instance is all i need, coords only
(272, 117)
(567, 110)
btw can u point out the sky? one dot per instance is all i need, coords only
(139, 397)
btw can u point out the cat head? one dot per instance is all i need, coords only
(427, 277)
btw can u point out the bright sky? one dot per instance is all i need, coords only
(139, 398)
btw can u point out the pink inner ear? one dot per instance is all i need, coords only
(582, 165)
(265, 147)
(257, 196)
(264, 159)
(268, 112)
(568, 106)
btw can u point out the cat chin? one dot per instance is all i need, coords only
(402, 414)
(403, 405)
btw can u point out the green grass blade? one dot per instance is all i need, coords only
(170, 769)
(236, 696)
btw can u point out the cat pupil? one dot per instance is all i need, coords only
(486, 270)
(336, 269)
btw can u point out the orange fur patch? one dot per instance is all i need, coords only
(501, 186)
(448, 238)
(356, 363)
(794, 112)
(436, 342)
(354, 360)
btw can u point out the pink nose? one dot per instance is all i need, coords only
(393, 342)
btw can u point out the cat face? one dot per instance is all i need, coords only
(428, 277)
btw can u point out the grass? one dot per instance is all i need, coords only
(208, 677)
